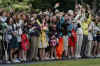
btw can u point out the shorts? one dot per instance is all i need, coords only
(98, 38)
(14, 43)
(94, 38)
(47, 49)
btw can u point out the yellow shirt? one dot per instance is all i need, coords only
(85, 28)
(85, 25)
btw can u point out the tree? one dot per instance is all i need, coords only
(42, 4)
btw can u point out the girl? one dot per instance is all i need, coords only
(43, 38)
(24, 45)
(79, 40)
(98, 40)
(72, 41)
(12, 40)
(53, 43)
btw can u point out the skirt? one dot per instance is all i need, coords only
(14, 43)
(59, 48)
(43, 40)
(72, 40)
(98, 38)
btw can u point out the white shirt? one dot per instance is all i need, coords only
(79, 31)
(90, 34)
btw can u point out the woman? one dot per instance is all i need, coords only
(44, 43)
(79, 33)
(98, 40)
(13, 43)
(35, 31)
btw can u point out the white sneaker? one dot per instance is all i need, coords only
(8, 62)
(47, 58)
(98, 55)
(52, 58)
(78, 56)
(15, 61)
(21, 59)
(37, 58)
(69, 57)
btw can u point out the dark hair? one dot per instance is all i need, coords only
(94, 20)
(8, 19)
(78, 25)
(87, 15)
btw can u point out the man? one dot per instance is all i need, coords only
(0, 42)
(35, 34)
(85, 27)
(90, 38)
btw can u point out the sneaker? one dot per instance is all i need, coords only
(47, 58)
(13, 61)
(98, 56)
(52, 58)
(42, 59)
(24, 59)
(8, 62)
(21, 60)
(16, 61)
(78, 56)
(37, 58)
(69, 57)
(1, 61)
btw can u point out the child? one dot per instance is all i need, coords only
(78, 45)
(53, 43)
(24, 45)
(72, 41)
(98, 44)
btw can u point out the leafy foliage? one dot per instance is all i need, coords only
(41, 4)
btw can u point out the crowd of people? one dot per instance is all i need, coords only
(48, 35)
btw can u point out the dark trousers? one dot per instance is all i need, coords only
(1, 49)
(84, 49)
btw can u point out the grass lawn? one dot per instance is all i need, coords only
(82, 62)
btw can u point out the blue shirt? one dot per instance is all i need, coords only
(69, 29)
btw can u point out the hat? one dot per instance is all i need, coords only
(71, 12)
(46, 13)
(57, 11)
